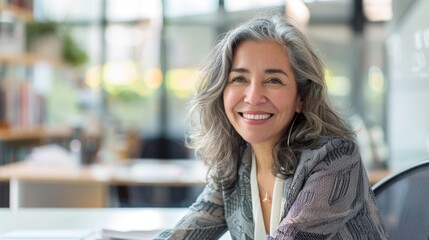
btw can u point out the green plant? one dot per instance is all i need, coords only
(36, 30)
(71, 52)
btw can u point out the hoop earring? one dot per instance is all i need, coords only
(290, 129)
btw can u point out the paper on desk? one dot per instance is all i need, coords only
(109, 234)
(78, 234)
(51, 155)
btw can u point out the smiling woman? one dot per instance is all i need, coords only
(282, 163)
(261, 95)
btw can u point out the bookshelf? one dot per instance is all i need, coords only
(11, 135)
(21, 9)
(29, 59)
(23, 104)
(16, 143)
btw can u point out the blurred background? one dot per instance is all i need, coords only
(109, 81)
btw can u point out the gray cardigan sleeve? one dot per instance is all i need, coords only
(204, 219)
(332, 199)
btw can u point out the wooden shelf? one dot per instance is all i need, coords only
(23, 14)
(35, 133)
(29, 59)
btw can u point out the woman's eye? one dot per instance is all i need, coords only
(274, 80)
(238, 79)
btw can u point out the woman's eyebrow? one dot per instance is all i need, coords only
(239, 70)
(269, 71)
(276, 70)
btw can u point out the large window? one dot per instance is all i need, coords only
(408, 54)
(123, 71)
(144, 56)
(186, 48)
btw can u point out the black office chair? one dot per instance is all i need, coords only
(403, 201)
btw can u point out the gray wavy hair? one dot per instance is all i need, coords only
(212, 136)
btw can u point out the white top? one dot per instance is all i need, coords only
(258, 218)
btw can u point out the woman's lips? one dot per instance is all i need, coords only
(255, 118)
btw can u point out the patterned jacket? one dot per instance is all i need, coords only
(328, 197)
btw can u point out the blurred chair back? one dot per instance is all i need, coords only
(164, 148)
(165, 196)
(403, 201)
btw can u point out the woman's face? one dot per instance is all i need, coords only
(260, 97)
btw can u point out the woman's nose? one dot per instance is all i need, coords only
(255, 95)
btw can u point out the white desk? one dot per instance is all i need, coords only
(155, 219)
(89, 218)
(121, 219)
(32, 185)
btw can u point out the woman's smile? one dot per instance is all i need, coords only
(255, 118)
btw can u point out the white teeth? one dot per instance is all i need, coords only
(256, 116)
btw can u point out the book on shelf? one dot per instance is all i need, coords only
(22, 100)
(21, 8)
(21, 4)
(21, 106)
